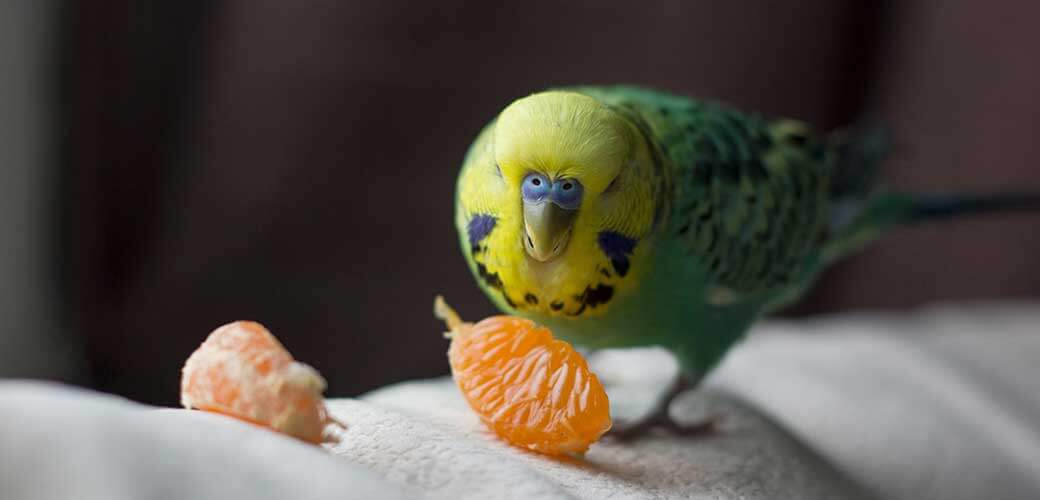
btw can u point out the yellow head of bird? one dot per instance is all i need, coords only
(573, 190)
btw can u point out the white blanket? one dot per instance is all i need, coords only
(942, 404)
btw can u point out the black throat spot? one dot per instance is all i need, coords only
(494, 281)
(593, 297)
(491, 279)
(599, 295)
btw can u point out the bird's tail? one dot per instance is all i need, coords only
(860, 211)
(886, 210)
(923, 207)
(858, 154)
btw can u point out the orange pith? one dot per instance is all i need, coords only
(532, 390)
(242, 371)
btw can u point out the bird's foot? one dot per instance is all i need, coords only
(629, 431)
(659, 418)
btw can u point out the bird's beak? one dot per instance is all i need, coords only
(547, 228)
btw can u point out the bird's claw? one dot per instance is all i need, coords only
(629, 431)
(659, 418)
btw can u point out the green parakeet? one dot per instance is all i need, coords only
(621, 216)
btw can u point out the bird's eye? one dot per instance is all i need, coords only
(535, 187)
(567, 193)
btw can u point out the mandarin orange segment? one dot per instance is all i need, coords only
(532, 390)
(241, 370)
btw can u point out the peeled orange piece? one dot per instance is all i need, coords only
(532, 390)
(242, 371)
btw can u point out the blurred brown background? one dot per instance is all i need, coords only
(293, 162)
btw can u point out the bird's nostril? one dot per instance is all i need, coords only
(529, 242)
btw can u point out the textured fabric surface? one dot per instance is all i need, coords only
(58, 443)
(941, 404)
(424, 436)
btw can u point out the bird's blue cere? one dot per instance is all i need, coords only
(563, 192)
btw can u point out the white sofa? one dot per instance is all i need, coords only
(943, 404)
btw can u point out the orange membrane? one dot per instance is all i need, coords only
(242, 371)
(532, 390)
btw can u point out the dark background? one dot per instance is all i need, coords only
(294, 162)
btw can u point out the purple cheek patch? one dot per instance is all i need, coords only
(617, 247)
(478, 228)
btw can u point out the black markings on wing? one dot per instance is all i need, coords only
(750, 196)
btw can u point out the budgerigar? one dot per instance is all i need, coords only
(621, 216)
